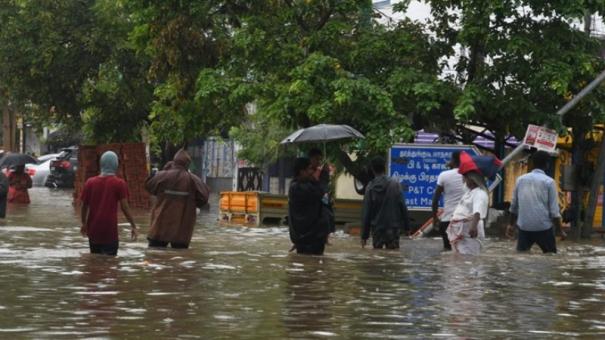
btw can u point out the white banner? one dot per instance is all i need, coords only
(541, 138)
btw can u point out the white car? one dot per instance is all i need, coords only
(39, 172)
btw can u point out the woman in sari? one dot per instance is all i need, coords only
(466, 231)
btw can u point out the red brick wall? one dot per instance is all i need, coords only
(132, 168)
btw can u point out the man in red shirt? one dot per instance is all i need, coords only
(99, 212)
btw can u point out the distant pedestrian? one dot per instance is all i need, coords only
(466, 230)
(3, 194)
(450, 185)
(19, 182)
(384, 214)
(535, 208)
(99, 212)
(308, 217)
(178, 192)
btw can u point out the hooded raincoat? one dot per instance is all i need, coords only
(178, 194)
(384, 208)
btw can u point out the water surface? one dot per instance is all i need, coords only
(241, 283)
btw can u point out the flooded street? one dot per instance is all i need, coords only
(241, 283)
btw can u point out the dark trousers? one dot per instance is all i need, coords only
(311, 248)
(163, 244)
(443, 232)
(3, 199)
(388, 239)
(332, 220)
(105, 249)
(545, 240)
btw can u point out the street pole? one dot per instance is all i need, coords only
(562, 111)
(585, 91)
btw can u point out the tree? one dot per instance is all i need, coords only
(48, 49)
(185, 41)
(519, 61)
(68, 63)
(310, 62)
(117, 99)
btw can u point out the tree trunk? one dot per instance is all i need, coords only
(281, 169)
(168, 152)
(499, 151)
(8, 128)
(578, 161)
(587, 22)
(595, 185)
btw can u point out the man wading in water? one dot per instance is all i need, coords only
(99, 212)
(308, 218)
(384, 210)
(535, 208)
(450, 185)
(178, 194)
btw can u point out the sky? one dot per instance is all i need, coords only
(416, 10)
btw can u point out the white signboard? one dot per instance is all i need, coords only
(541, 138)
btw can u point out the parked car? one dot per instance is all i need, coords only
(46, 157)
(39, 172)
(63, 169)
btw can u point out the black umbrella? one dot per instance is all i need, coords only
(16, 159)
(322, 133)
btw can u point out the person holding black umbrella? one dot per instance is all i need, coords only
(18, 180)
(308, 218)
(322, 175)
(19, 183)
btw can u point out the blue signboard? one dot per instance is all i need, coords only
(417, 168)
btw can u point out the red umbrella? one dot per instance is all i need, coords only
(487, 166)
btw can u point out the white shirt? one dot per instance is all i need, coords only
(453, 189)
(535, 201)
(472, 202)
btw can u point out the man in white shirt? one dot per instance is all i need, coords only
(451, 184)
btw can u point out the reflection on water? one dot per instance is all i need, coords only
(242, 283)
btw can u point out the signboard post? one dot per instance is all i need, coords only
(417, 168)
(541, 138)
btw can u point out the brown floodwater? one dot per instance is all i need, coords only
(241, 283)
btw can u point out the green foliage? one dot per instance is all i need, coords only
(188, 69)
(116, 99)
(48, 49)
(521, 60)
(70, 63)
(185, 41)
(311, 62)
(262, 147)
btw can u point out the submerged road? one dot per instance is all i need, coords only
(241, 283)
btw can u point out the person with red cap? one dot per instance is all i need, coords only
(466, 230)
